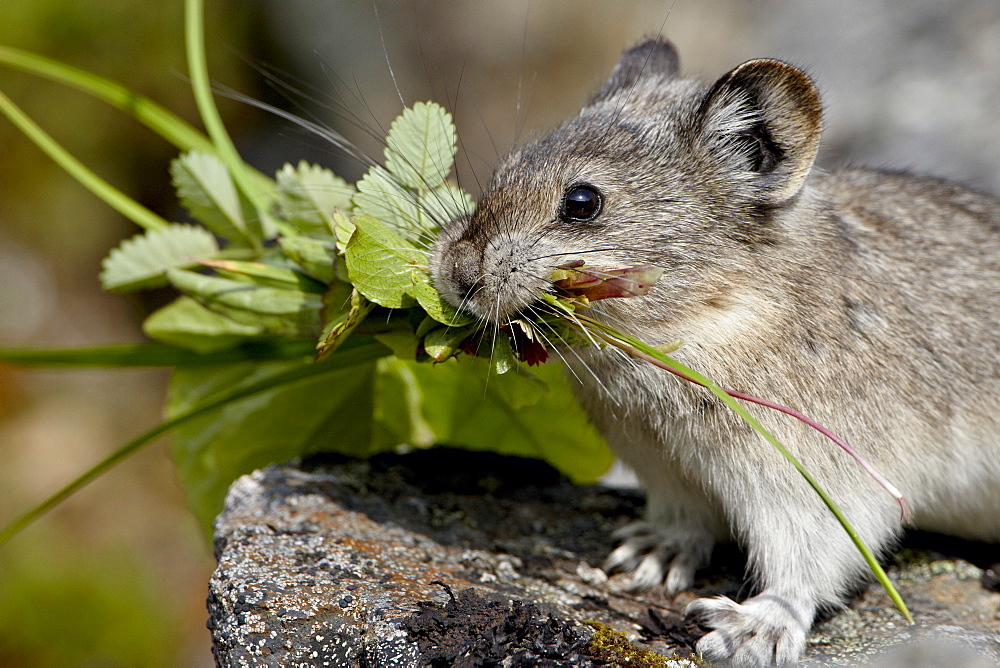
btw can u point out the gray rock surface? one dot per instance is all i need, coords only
(425, 559)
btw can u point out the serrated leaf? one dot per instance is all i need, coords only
(309, 194)
(143, 260)
(343, 229)
(390, 271)
(382, 197)
(317, 257)
(277, 311)
(381, 263)
(187, 324)
(445, 203)
(206, 189)
(420, 148)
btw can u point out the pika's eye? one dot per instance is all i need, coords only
(582, 203)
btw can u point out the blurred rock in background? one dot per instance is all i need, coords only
(117, 576)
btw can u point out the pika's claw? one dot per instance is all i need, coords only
(659, 556)
(763, 631)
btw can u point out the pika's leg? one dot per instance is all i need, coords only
(802, 559)
(673, 541)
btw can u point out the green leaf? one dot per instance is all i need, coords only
(432, 302)
(460, 402)
(440, 343)
(317, 257)
(399, 406)
(309, 194)
(420, 148)
(143, 260)
(445, 204)
(502, 356)
(381, 264)
(344, 229)
(392, 272)
(206, 189)
(401, 341)
(187, 324)
(328, 412)
(276, 311)
(370, 408)
(382, 197)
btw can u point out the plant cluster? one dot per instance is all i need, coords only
(307, 320)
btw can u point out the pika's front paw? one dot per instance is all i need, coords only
(763, 631)
(657, 555)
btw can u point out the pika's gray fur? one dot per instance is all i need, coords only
(867, 300)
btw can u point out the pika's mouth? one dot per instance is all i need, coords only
(592, 283)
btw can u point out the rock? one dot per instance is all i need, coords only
(447, 558)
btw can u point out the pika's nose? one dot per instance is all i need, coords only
(465, 266)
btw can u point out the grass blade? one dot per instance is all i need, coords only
(643, 351)
(113, 197)
(347, 356)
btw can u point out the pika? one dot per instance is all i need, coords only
(869, 300)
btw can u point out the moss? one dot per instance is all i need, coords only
(613, 647)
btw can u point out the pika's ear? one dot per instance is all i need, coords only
(654, 57)
(764, 119)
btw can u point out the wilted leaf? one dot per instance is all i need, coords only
(266, 275)
(595, 283)
(143, 260)
(340, 327)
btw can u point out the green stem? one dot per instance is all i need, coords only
(165, 123)
(642, 350)
(347, 357)
(131, 355)
(160, 120)
(194, 34)
(113, 197)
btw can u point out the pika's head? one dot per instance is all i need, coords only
(656, 169)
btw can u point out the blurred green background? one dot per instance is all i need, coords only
(116, 576)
